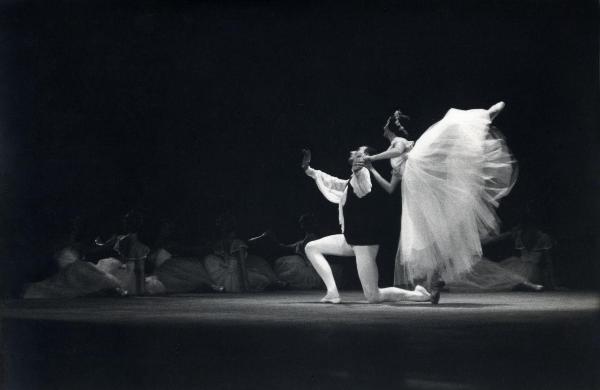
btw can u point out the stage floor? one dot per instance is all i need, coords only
(289, 340)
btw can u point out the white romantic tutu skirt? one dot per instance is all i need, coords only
(487, 275)
(453, 179)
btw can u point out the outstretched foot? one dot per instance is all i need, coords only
(119, 292)
(331, 298)
(426, 295)
(494, 110)
(527, 286)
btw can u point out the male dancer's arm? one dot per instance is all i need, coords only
(330, 186)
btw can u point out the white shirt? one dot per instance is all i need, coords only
(336, 190)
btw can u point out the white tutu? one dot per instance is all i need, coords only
(452, 181)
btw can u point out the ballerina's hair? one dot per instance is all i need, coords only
(394, 119)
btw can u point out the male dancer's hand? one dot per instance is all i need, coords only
(306, 155)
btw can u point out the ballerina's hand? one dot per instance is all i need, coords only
(366, 162)
(359, 163)
(306, 156)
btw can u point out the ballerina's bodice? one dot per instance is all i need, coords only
(399, 162)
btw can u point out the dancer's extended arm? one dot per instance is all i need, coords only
(498, 237)
(331, 182)
(388, 186)
(396, 151)
(330, 186)
(388, 154)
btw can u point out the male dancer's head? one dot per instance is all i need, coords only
(356, 157)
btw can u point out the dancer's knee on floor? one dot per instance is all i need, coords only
(373, 296)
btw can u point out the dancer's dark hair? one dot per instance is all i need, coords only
(393, 120)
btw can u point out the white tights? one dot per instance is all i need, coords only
(367, 270)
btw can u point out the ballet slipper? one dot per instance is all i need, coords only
(423, 290)
(496, 109)
(528, 286)
(331, 299)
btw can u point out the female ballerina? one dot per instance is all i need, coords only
(452, 180)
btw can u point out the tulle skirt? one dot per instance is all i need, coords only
(227, 272)
(183, 274)
(525, 267)
(297, 272)
(487, 275)
(453, 179)
(77, 279)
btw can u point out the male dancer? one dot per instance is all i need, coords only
(360, 219)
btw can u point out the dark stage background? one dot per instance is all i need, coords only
(187, 109)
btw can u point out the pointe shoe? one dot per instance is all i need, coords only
(528, 286)
(333, 300)
(535, 287)
(115, 292)
(496, 109)
(436, 291)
